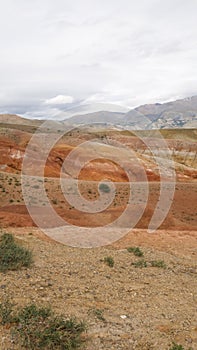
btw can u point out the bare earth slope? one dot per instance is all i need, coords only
(181, 144)
(129, 306)
(142, 308)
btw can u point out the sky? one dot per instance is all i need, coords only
(71, 55)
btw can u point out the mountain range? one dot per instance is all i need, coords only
(176, 114)
(171, 115)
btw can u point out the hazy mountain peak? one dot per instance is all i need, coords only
(181, 113)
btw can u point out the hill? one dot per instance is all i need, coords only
(171, 115)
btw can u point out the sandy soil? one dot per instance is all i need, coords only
(143, 308)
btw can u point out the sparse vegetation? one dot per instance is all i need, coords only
(135, 250)
(104, 188)
(13, 256)
(158, 263)
(109, 297)
(140, 263)
(109, 260)
(177, 347)
(6, 310)
(38, 328)
(98, 313)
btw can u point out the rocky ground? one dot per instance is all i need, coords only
(125, 307)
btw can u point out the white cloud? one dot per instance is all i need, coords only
(59, 100)
(123, 52)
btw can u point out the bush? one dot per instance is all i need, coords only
(135, 250)
(177, 347)
(38, 328)
(158, 263)
(12, 256)
(140, 263)
(6, 310)
(99, 314)
(104, 188)
(109, 261)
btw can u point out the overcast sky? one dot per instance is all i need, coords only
(58, 54)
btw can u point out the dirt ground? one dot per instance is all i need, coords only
(142, 308)
(182, 213)
(126, 307)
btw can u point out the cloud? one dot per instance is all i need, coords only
(59, 100)
(123, 52)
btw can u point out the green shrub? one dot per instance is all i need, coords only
(177, 347)
(13, 256)
(38, 328)
(109, 261)
(140, 263)
(158, 263)
(6, 310)
(104, 188)
(99, 314)
(135, 250)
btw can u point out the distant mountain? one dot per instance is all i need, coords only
(97, 117)
(176, 114)
(170, 115)
(91, 108)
